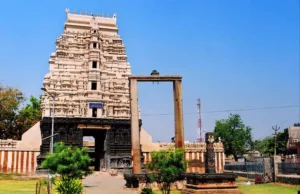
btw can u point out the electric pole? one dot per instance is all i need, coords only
(275, 138)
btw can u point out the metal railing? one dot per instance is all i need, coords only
(257, 167)
(289, 168)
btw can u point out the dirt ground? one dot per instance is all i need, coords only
(104, 183)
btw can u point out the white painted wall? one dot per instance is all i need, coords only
(31, 139)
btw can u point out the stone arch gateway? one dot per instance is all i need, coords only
(134, 116)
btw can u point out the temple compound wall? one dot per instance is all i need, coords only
(88, 82)
(21, 156)
(194, 155)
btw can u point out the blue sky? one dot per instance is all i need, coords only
(232, 54)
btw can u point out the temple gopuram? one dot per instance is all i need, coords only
(88, 78)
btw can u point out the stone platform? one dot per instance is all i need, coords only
(210, 184)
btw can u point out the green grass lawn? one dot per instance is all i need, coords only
(17, 186)
(261, 189)
(269, 188)
(9, 186)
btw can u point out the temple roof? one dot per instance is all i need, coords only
(85, 17)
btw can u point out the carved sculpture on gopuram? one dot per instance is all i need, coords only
(88, 78)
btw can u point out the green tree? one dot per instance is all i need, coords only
(236, 136)
(10, 100)
(264, 146)
(29, 115)
(267, 144)
(71, 163)
(168, 166)
(282, 139)
(13, 123)
(260, 145)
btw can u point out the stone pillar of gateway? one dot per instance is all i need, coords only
(195, 154)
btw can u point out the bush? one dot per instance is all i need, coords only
(168, 167)
(71, 163)
(147, 191)
(70, 186)
(68, 162)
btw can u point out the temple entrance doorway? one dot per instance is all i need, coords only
(89, 142)
(97, 149)
(112, 145)
(134, 114)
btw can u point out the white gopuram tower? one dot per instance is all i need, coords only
(89, 70)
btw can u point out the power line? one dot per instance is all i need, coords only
(230, 110)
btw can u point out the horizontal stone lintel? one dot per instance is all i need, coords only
(158, 78)
(87, 126)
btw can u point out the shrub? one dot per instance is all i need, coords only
(168, 167)
(71, 186)
(68, 162)
(147, 191)
(71, 163)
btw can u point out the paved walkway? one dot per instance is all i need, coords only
(104, 183)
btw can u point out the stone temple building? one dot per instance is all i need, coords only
(88, 78)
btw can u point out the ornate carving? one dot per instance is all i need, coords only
(210, 166)
(210, 139)
(166, 145)
(218, 146)
(117, 140)
(195, 147)
(96, 44)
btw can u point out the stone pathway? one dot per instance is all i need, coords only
(104, 183)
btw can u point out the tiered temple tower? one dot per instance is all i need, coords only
(89, 70)
(89, 81)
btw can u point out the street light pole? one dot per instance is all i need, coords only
(52, 128)
(275, 138)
